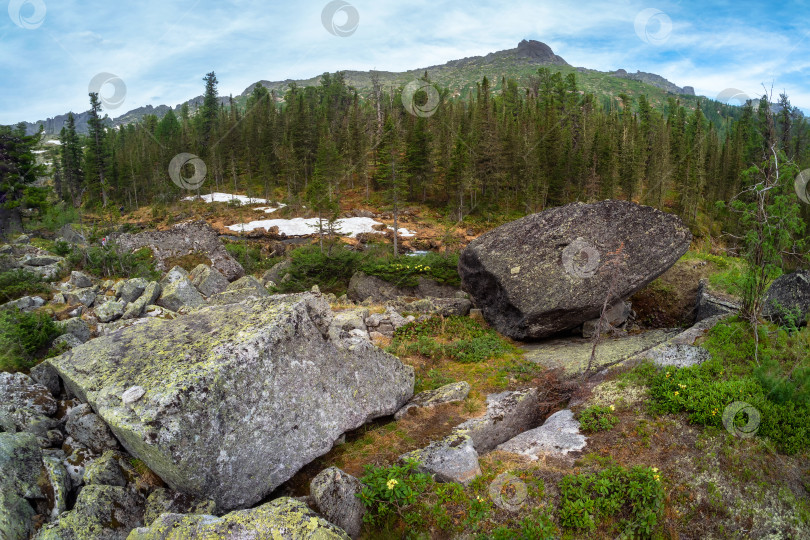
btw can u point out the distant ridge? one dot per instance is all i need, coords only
(459, 76)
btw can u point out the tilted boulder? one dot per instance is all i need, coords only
(552, 271)
(237, 397)
(184, 239)
(788, 299)
(208, 281)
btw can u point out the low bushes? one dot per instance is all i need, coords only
(18, 283)
(24, 338)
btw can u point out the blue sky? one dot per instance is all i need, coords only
(50, 50)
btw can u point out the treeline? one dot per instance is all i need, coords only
(518, 152)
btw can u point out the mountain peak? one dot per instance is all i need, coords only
(539, 51)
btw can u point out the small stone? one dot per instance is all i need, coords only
(452, 459)
(132, 394)
(334, 493)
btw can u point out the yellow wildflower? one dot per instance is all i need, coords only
(391, 483)
(668, 374)
(658, 478)
(682, 385)
(612, 408)
(676, 392)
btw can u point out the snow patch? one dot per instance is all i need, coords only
(227, 197)
(302, 227)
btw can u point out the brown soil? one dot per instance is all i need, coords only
(669, 301)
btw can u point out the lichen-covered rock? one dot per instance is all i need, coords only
(105, 471)
(677, 355)
(175, 273)
(110, 311)
(75, 326)
(76, 464)
(166, 501)
(452, 459)
(183, 239)
(85, 296)
(448, 393)
(277, 272)
(282, 519)
(132, 289)
(550, 272)
(788, 299)
(365, 287)
(88, 429)
(59, 484)
(68, 341)
(445, 307)
(508, 414)
(44, 374)
(103, 512)
(149, 296)
(16, 516)
(334, 493)
(347, 320)
(178, 294)
(18, 391)
(20, 465)
(240, 290)
(208, 281)
(558, 436)
(709, 305)
(80, 280)
(238, 397)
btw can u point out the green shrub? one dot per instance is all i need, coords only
(539, 526)
(331, 272)
(461, 339)
(110, 261)
(406, 271)
(59, 215)
(61, 248)
(388, 491)
(18, 283)
(704, 392)
(597, 418)
(250, 257)
(24, 337)
(635, 496)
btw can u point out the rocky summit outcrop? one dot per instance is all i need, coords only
(788, 299)
(234, 399)
(550, 272)
(185, 239)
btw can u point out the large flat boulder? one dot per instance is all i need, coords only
(237, 397)
(551, 272)
(184, 239)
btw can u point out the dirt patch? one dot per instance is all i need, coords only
(669, 301)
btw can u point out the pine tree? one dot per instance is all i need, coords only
(97, 159)
(71, 161)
